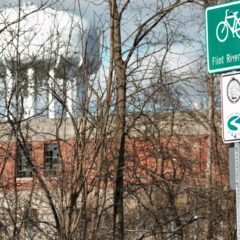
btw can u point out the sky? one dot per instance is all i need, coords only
(96, 11)
(88, 9)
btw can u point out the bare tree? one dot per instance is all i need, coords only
(111, 155)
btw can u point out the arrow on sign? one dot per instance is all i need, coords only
(233, 123)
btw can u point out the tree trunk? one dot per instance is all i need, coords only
(120, 71)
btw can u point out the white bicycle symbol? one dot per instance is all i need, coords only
(231, 22)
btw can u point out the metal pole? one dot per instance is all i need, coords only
(237, 177)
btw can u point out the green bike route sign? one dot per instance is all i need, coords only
(223, 37)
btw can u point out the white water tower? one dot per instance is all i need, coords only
(44, 55)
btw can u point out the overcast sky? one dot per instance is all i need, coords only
(97, 11)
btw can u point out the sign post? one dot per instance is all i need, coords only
(223, 37)
(237, 179)
(232, 175)
(230, 92)
(223, 55)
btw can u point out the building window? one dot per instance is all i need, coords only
(24, 158)
(32, 222)
(51, 158)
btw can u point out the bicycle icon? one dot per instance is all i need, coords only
(231, 22)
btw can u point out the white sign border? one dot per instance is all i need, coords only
(221, 80)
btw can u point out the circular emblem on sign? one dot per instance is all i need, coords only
(233, 90)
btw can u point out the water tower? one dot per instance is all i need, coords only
(44, 56)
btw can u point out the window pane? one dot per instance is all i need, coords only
(51, 158)
(24, 156)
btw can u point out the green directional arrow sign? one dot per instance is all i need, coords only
(223, 37)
